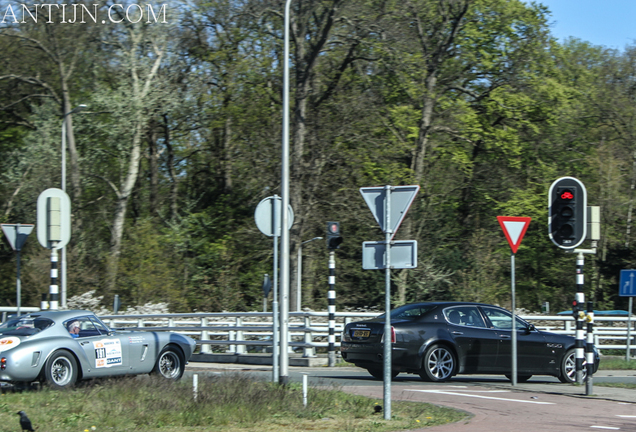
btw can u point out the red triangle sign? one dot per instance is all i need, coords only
(514, 228)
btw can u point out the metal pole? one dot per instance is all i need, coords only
(629, 330)
(284, 249)
(18, 285)
(514, 323)
(64, 128)
(299, 273)
(387, 308)
(63, 264)
(580, 333)
(275, 322)
(589, 350)
(332, 308)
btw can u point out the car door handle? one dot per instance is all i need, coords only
(84, 343)
(504, 336)
(457, 333)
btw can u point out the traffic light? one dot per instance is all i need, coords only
(567, 220)
(334, 239)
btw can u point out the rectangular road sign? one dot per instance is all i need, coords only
(627, 285)
(403, 255)
(401, 198)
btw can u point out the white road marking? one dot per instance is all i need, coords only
(626, 416)
(452, 393)
(605, 427)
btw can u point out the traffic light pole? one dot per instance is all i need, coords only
(584, 343)
(580, 334)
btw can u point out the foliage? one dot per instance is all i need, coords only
(473, 100)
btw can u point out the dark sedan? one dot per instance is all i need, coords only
(441, 340)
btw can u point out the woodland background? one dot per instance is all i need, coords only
(473, 100)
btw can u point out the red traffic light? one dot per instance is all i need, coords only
(567, 195)
(333, 228)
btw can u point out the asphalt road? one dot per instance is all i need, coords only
(543, 403)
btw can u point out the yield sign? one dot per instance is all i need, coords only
(398, 199)
(514, 228)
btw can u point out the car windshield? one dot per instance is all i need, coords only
(25, 325)
(410, 312)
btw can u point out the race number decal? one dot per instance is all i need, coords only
(107, 353)
(7, 343)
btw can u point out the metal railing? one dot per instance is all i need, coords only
(241, 332)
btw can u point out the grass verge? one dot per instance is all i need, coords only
(225, 403)
(616, 363)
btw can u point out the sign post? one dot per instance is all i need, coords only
(514, 228)
(627, 288)
(17, 234)
(269, 221)
(389, 205)
(54, 231)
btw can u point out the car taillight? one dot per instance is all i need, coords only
(392, 335)
(3, 363)
(345, 336)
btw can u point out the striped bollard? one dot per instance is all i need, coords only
(332, 309)
(589, 350)
(53, 288)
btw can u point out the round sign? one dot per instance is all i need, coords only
(268, 211)
(7, 343)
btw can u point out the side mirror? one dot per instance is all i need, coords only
(530, 328)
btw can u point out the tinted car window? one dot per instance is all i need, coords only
(464, 315)
(502, 319)
(411, 312)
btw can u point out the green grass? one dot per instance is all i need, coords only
(225, 403)
(616, 385)
(616, 363)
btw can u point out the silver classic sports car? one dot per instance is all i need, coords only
(61, 347)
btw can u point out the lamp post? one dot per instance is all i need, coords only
(64, 127)
(284, 187)
(299, 273)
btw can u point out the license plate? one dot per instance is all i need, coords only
(361, 333)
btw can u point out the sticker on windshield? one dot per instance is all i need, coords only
(9, 342)
(107, 353)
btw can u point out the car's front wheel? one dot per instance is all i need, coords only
(438, 364)
(568, 367)
(170, 363)
(61, 370)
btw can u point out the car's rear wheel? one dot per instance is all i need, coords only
(439, 364)
(170, 363)
(378, 373)
(568, 367)
(61, 370)
(520, 378)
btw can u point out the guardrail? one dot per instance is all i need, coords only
(240, 332)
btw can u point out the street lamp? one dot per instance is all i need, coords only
(64, 121)
(299, 267)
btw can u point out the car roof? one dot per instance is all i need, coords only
(451, 303)
(60, 315)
